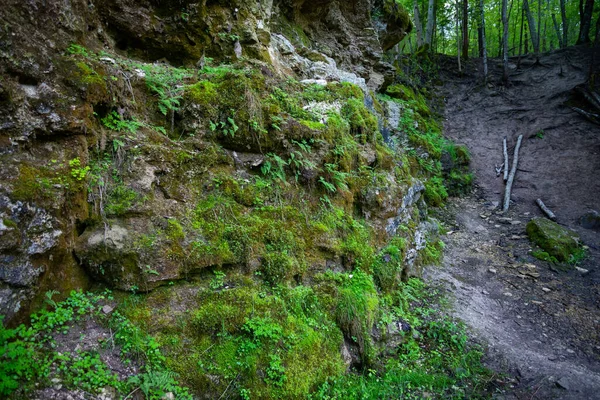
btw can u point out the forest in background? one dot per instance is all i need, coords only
(532, 26)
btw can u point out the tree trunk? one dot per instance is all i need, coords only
(526, 41)
(458, 34)
(515, 22)
(539, 26)
(430, 18)
(532, 30)
(418, 26)
(595, 57)
(558, 35)
(500, 35)
(565, 23)
(505, 42)
(465, 29)
(521, 38)
(585, 18)
(485, 66)
(480, 39)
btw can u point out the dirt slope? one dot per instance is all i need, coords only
(541, 326)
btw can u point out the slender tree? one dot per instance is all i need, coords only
(505, 42)
(521, 38)
(458, 34)
(485, 66)
(532, 30)
(430, 22)
(417, 22)
(465, 29)
(480, 32)
(557, 29)
(565, 23)
(585, 18)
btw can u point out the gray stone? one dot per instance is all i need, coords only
(563, 383)
(590, 220)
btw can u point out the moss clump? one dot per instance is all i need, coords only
(558, 242)
(363, 123)
(396, 12)
(203, 93)
(120, 200)
(312, 125)
(435, 191)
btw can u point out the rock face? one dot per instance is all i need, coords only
(557, 241)
(98, 183)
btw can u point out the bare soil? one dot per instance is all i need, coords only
(541, 326)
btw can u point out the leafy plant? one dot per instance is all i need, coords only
(218, 280)
(115, 122)
(227, 127)
(78, 172)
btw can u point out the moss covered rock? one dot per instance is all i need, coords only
(559, 242)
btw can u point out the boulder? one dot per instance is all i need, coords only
(590, 220)
(554, 239)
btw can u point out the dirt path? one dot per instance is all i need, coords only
(542, 327)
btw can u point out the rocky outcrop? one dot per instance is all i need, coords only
(91, 186)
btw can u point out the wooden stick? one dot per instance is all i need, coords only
(511, 176)
(505, 159)
(591, 117)
(545, 209)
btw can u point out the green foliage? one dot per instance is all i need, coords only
(76, 49)
(435, 191)
(167, 84)
(439, 363)
(120, 200)
(29, 357)
(115, 122)
(77, 171)
(218, 280)
(388, 265)
(544, 256)
(433, 252)
(363, 123)
(17, 361)
(227, 127)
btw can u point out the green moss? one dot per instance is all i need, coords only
(433, 252)
(355, 302)
(120, 200)
(544, 256)
(435, 191)
(9, 223)
(363, 123)
(315, 126)
(203, 93)
(558, 242)
(396, 11)
(388, 266)
(174, 230)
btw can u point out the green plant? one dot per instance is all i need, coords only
(328, 186)
(115, 122)
(218, 280)
(273, 167)
(78, 172)
(76, 49)
(227, 127)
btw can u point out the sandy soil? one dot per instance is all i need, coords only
(541, 326)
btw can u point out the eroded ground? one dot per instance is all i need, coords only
(541, 326)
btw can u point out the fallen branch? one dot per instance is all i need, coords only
(511, 176)
(545, 209)
(505, 159)
(589, 116)
(589, 96)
